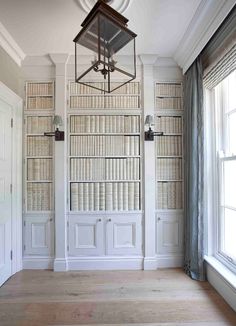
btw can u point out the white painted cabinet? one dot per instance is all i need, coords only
(92, 235)
(123, 235)
(86, 236)
(39, 235)
(169, 233)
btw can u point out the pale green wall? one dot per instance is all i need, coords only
(10, 72)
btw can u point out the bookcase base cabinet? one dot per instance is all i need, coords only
(107, 235)
(39, 236)
(169, 233)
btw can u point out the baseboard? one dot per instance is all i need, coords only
(37, 263)
(163, 261)
(169, 261)
(60, 265)
(220, 283)
(105, 263)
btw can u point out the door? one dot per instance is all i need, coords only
(86, 236)
(124, 235)
(5, 191)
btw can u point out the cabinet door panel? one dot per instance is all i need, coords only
(86, 236)
(169, 233)
(123, 235)
(39, 235)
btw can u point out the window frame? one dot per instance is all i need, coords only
(214, 171)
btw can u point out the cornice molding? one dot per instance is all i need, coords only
(148, 59)
(10, 46)
(208, 17)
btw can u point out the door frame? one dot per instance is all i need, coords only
(16, 104)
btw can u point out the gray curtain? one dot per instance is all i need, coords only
(194, 179)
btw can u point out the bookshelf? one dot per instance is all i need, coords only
(169, 147)
(169, 171)
(104, 162)
(38, 170)
(84, 97)
(104, 171)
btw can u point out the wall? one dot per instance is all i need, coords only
(10, 72)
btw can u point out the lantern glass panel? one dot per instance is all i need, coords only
(109, 54)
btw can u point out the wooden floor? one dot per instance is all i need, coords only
(164, 297)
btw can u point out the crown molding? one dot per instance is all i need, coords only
(10, 46)
(208, 17)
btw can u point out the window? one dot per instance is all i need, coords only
(225, 106)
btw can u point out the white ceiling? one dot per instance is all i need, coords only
(48, 26)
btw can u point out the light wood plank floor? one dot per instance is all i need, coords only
(164, 297)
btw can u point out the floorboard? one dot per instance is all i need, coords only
(133, 298)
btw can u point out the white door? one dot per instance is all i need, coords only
(86, 236)
(5, 191)
(124, 235)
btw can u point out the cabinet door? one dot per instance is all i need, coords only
(86, 236)
(39, 235)
(169, 233)
(123, 235)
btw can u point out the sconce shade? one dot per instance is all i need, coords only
(149, 121)
(110, 50)
(57, 121)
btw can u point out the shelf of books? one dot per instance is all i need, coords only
(104, 162)
(38, 148)
(169, 147)
(84, 97)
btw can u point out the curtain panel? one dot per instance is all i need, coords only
(194, 172)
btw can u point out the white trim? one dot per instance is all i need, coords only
(60, 265)
(16, 103)
(10, 46)
(222, 279)
(208, 17)
(105, 263)
(163, 261)
(37, 263)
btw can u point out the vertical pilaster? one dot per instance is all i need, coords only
(60, 262)
(149, 164)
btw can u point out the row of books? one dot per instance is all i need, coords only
(104, 145)
(170, 89)
(169, 169)
(104, 124)
(39, 169)
(104, 101)
(169, 145)
(105, 196)
(169, 124)
(130, 88)
(39, 103)
(39, 89)
(39, 197)
(104, 169)
(169, 195)
(169, 103)
(39, 146)
(39, 125)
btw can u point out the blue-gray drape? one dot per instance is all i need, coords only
(194, 178)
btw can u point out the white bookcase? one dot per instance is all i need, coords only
(38, 169)
(169, 167)
(104, 171)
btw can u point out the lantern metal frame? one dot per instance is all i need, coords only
(101, 9)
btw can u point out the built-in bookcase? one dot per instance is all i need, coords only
(169, 147)
(104, 174)
(169, 170)
(104, 162)
(38, 159)
(84, 97)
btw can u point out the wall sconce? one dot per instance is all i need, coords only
(149, 135)
(59, 135)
